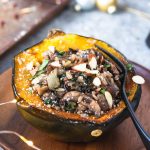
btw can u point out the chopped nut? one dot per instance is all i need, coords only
(80, 79)
(80, 67)
(92, 62)
(68, 75)
(51, 49)
(97, 81)
(66, 63)
(138, 79)
(108, 97)
(33, 72)
(88, 71)
(42, 89)
(38, 79)
(55, 64)
(29, 66)
(60, 89)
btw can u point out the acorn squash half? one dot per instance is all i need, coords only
(62, 125)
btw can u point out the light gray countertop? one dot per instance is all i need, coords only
(123, 30)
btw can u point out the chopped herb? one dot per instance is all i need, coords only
(48, 101)
(38, 73)
(60, 54)
(41, 69)
(73, 79)
(81, 74)
(129, 67)
(107, 65)
(43, 65)
(70, 106)
(103, 90)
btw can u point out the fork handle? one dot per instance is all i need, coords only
(145, 137)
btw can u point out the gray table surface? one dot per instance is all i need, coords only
(125, 31)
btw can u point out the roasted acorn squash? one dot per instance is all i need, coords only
(62, 125)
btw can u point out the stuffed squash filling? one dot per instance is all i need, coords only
(84, 82)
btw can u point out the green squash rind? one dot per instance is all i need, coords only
(72, 130)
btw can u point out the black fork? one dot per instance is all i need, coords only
(145, 137)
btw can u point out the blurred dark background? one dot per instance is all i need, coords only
(124, 30)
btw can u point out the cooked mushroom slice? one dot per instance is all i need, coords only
(113, 89)
(114, 69)
(103, 102)
(73, 95)
(40, 90)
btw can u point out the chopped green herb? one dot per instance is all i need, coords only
(70, 106)
(48, 101)
(44, 64)
(41, 69)
(129, 67)
(38, 73)
(60, 54)
(73, 79)
(103, 90)
(107, 65)
(81, 74)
